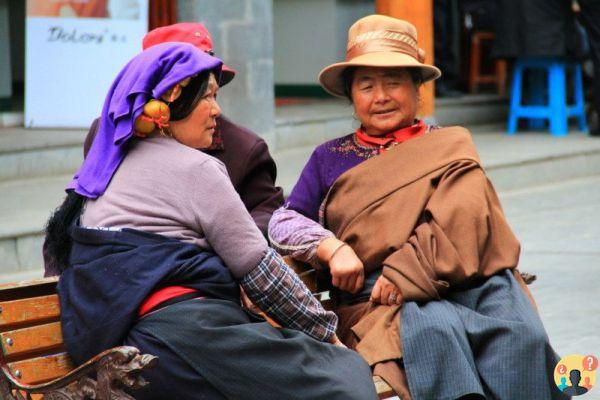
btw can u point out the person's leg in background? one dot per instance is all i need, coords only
(590, 17)
(445, 16)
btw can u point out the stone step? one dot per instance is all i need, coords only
(25, 206)
(512, 162)
(29, 153)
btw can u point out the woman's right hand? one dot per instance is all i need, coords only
(347, 271)
(386, 293)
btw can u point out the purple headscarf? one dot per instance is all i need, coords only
(148, 75)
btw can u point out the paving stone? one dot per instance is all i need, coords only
(559, 229)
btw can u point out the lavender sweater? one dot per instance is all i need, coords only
(187, 196)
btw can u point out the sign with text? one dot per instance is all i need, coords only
(74, 50)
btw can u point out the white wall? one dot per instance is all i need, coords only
(242, 32)
(311, 34)
(348, 12)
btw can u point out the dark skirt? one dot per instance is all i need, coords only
(486, 340)
(212, 349)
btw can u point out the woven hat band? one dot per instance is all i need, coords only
(383, 41)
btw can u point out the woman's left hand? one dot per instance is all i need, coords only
(385, 292)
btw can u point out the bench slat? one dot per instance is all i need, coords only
(24, 289)
(41, 369)
(32, 310)
(36, 338)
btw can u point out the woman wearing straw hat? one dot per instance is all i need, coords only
(404, 219)
(153, 244)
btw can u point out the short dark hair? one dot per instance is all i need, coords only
(190, 96)
(348, 77)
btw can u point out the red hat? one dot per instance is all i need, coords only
(187, 32)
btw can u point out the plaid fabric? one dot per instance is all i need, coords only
(293, 234)
(279, 292)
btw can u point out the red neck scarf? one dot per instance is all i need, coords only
(396, 137)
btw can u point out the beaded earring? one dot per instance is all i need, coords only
(157, 113)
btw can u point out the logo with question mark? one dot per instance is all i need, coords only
(575, 374)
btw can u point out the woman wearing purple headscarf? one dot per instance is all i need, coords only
(153, 243)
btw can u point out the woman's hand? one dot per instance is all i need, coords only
(385, 292)
(336, 341)
(347, 271)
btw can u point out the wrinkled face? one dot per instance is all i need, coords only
(385, 99)
(198, 128)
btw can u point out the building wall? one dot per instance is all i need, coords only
(305, 39)
(311, 34)
(242, 32)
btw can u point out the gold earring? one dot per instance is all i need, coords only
(155, 113)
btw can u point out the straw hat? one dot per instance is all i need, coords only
(378, 41)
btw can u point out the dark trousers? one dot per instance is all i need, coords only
(590, 18)
(212, 349)
(445, 16)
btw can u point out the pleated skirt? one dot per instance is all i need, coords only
(487, 340)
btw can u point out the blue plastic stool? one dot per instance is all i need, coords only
(555, 109)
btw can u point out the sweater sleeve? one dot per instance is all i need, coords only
(293, 234)
(224, 220)
(263, 274)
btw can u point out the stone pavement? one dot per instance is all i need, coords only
(559, 229)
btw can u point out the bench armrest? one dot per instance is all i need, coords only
(114, 368)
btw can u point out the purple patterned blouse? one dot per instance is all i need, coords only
(296, 229)
(327, 162)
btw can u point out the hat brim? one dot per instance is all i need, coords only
(332, 80)
(227, 74)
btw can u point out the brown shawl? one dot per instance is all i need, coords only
(427, 213)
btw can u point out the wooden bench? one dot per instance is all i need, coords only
(34, 364)
(33, 360)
